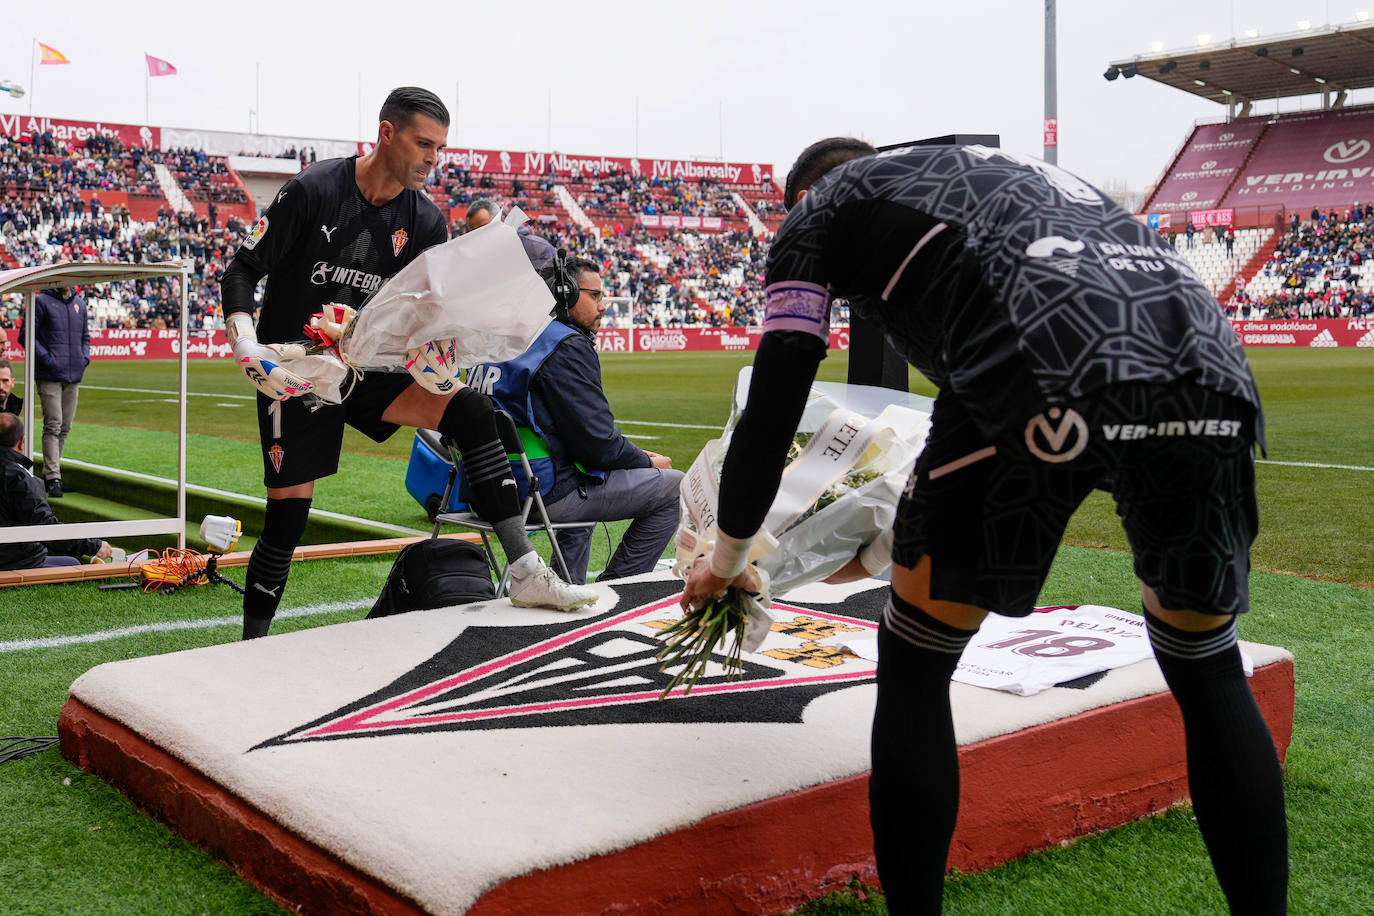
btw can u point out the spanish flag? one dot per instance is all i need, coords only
(52, 55)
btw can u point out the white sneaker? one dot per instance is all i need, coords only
(533, 584)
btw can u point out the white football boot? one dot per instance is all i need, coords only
(533, 584)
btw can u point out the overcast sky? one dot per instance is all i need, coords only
(754, 81)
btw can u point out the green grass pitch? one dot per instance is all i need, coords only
(72, 845)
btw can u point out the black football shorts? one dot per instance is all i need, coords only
(301, 444)
(990, 510)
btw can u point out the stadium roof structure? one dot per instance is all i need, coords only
(1330, 59)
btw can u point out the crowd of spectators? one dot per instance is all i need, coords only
(203, 177)
(619, 194)
(99, 164)
(1320, 269)
(674, 278)
(37, 232)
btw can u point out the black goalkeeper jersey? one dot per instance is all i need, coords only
(321, 241)
(1005, 280)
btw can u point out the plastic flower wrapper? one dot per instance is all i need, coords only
(478, 290)
(851, 456)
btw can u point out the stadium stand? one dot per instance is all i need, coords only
(1319, 269)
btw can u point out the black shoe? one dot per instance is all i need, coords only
(55, 488)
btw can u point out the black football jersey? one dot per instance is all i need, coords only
(321, 241)
(1005, 280)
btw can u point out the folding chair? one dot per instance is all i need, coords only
(515, 446)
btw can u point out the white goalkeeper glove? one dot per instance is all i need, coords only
(435, 365)
(262, 363)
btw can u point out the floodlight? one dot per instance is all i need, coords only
(1362, 15)
(1304, 25)
(1262, 52)
(1204, 65)
(1295, 71)
(1297, 52)
(1111, 74)
(1168, 66)
(1227, 92)
(1129, 70)
(1200, 82)
(1319, 79)
(1204, 40)
(1252, 33)
(1156, 46)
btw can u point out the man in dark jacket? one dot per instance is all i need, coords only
(23, 502)
(592, 472)
(62, 345)
(9, 401)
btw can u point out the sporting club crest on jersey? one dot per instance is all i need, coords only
(276, 453)
(398, 241)
(604, 670)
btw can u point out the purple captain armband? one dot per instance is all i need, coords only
(794, 305)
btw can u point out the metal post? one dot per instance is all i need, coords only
(30, 386)
(181, 415)
(1051, 103)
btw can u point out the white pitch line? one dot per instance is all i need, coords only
(1310, 464)
(192, 394)
(249, 397)
(58, 642)
(673, 425)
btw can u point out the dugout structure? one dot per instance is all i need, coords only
(30, 280)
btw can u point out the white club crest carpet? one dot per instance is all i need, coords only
(491, 760)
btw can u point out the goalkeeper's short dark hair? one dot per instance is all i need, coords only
(403, 104)
(819, 158)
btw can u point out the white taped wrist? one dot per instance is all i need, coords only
(876, 556)
(730, 555)
(239, 326)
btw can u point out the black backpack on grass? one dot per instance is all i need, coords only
(435, 573)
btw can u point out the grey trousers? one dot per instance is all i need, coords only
(59, 410)
(649, 496)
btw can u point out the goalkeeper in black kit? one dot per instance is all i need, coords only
(330, 238)
(1073, 350)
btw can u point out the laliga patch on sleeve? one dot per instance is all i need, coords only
(250, 241)
(794, 305)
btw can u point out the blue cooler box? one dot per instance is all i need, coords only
(427, 474)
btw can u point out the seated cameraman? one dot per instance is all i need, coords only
(593, 472)
(23, 501)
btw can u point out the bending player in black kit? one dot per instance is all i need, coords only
(333, 234)
(1072, 350)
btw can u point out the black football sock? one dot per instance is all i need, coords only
(269, 565)
(1233, 768)
(914, 790)
(470, 424)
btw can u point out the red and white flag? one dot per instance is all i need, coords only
(159, 67)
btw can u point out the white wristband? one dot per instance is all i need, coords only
(730, 555)
(876, 556)
(239, 326)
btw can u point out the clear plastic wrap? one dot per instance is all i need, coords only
(828, 509)
(478, 289)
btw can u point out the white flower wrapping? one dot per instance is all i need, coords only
(478, 289)
(855, 447)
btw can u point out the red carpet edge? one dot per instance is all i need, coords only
(1093, 771)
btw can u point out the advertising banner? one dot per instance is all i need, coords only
(24, 127)
(1201, 218)
(163, 343)
(1307, 332)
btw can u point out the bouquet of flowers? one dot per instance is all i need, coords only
(850, 458)
(477, 293)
